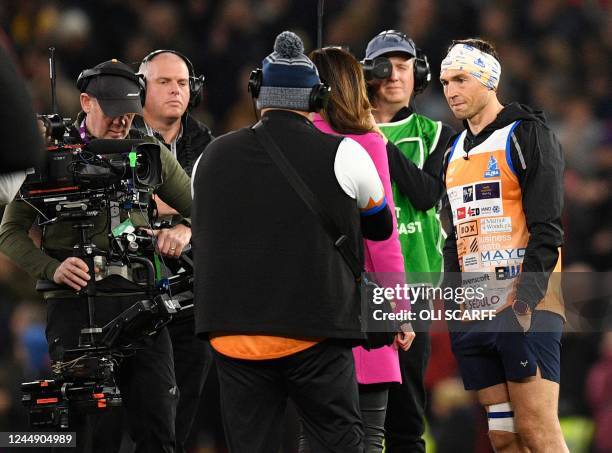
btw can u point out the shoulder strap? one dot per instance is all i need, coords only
(340, 240)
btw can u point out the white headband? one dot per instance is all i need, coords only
(483, 66)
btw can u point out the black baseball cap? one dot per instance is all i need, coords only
(116, 87)
(389, 41)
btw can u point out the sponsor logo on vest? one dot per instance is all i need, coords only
(468, 193)
(490, 210)
(492, 169)
(502, 255)
(474, 245)
(471, 261)
(495, 238)
(473, 212)
(487, 190)
(507, 272)
(467, 229)
(479, 279)
(496, 225)
(454, 194)
(482, 303)
(461, 213)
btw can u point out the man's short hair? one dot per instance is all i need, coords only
(477, 43)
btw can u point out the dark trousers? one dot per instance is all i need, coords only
(146, 381)
(373, 406)
(405, 422)
(192, 359)
(320, 381)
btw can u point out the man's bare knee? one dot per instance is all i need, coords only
(504, 441)
(540, 437)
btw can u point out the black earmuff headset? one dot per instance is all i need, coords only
(319, 95)
(381, 67)
(196, 83)
(88, 74)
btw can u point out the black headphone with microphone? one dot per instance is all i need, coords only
(381, 67)
(196, 83)
(319, 94)
(88, 74)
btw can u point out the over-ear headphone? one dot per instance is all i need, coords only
(380, 67)
(88, 74)
(422, 71)
(319, 95)
(195, 82)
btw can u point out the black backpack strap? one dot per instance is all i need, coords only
(339, 239)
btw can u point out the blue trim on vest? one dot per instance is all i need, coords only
(509, 414)
(508, 154)
(375, 209)
(450, 155)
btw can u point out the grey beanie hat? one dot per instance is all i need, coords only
(288, 75)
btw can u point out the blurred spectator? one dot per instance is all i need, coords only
(599, 394)
(455, 417)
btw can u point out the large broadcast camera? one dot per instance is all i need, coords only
(77, 183)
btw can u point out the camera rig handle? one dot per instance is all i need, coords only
(86, 250)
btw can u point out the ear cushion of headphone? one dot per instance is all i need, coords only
(195, 90)
(422, 73)
(142, 81)
(254, 84)
(319, 96)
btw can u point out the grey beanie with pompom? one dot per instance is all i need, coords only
(288, 75)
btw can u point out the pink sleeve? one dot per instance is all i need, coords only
(384, 257)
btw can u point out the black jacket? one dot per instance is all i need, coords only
(423, 187)
(263, 262)
(196, 136)
(539, 164)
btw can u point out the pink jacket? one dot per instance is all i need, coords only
(378, 365)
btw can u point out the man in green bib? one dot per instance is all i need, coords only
(396, 71)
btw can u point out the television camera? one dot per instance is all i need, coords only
(77, 183)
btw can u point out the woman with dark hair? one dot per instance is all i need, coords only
(348, 113)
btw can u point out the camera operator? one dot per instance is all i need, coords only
(172, 90)
(110, 97)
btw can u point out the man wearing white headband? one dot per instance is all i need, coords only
(504, 184)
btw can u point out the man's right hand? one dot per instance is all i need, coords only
(72, 272)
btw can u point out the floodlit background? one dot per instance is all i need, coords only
(555, 55)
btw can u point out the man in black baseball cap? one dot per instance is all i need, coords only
(110, 96)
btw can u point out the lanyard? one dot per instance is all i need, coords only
(83, 132)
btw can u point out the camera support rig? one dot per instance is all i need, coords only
(77, 184)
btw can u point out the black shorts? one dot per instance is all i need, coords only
(497, 355)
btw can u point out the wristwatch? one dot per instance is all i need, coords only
(520, 307)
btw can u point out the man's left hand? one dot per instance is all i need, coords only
(171, 241)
